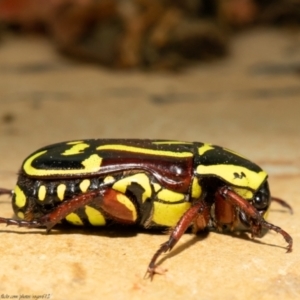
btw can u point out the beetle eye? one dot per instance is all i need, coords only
(261, 199)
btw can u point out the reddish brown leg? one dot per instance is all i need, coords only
(107, 201)
(198, 209)
(225, 213)
(5, 192)
(51, 219)
(257, 221)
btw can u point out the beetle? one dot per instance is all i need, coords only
(151, 183)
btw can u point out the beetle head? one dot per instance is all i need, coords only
(262, 198)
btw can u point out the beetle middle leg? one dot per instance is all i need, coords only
(256, 221)
(198, 215)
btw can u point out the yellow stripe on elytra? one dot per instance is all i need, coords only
(20, 198)
(84, 185)
(204, 148)
(74, 219)
(95, 217)
(91, 165)
(74, 142)
(61, 188)
(170, 196)
(171, 143)
(169, 214)
(251, 180)
(140, 178)
(144, 150)
(76, 149)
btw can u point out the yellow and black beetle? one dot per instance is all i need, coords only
(151, 183)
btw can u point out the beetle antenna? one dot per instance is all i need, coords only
(283, 203)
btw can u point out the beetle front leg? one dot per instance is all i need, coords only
(198, 214)
(256, 220)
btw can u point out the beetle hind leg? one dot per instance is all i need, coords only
(198, 216)
(114, 205)
(50, 219)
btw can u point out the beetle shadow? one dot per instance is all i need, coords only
(63, 229)
(117, 231)
(174, 252)
(281, 211)
(245, 235)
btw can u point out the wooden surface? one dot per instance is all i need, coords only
(248, 102)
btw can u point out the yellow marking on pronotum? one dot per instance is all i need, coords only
(169, 196)
(247, 194)
(145, 150)
(129, 205)
(91, 165)
(196, 189)
(61, 188)
(204, 148)
(95, 217)
(171, 143)
(20, 215)
(169, 214)
(140, 178)
(84, 185)
(76, 149)
(20, 198)
(251, 180)
(74, 219)
(42, 193)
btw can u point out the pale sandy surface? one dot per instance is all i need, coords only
(249, 102)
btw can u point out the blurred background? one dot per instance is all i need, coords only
(221, 71)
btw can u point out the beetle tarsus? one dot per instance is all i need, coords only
(21, 223)
(153, 268)
(285, 235)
